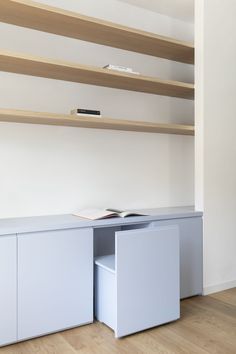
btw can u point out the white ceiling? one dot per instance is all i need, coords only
(180, 9)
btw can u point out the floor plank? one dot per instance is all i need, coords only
(207, 326)
(229, 297)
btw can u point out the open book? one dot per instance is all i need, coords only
(97, 214)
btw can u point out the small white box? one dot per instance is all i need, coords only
(105, 303)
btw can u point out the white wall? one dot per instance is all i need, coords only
(215, 139)
(51, 170)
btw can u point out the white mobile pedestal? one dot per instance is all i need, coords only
(138, 287)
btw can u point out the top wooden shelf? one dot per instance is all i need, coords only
(70, 24)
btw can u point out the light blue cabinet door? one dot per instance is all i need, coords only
(147, 278)
(8, 288)
(55, 283)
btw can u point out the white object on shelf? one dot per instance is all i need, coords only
(87, 115)
(121, 68)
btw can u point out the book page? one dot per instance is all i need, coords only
(126, 213)
(95, 214)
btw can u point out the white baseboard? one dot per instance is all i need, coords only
(219, 287)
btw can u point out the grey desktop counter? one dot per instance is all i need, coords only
(47, 263)
(68, 221)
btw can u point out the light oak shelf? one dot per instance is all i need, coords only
(61, 70)
(18, 116)
(61, 22)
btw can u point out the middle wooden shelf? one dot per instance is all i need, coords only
(67, 71)
(19, 116)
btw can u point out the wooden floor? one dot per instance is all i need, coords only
(207, 325)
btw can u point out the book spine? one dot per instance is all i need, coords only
(86, 111)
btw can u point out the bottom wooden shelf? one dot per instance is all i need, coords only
(19, 116)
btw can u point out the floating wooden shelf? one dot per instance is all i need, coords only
(58, 21)
(61, 70)
(90, 122)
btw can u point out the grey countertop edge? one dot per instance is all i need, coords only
(11, 226)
